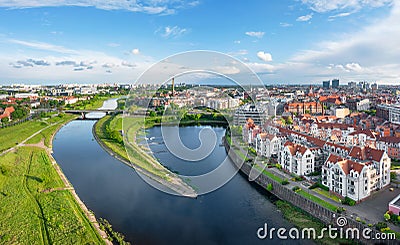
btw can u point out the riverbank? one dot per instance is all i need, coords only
(296, 205)
(134, 155)
(31, 180)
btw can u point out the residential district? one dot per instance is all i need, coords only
(346, 138)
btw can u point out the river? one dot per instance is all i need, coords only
(230, 215)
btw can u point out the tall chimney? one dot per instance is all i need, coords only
(173, 86)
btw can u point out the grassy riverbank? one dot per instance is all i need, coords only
(36, 207)
(301, 220)
(92, 104)
(108, 131)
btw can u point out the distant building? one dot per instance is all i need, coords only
(358, 104)
(335, 83)
(340, 112)
(326, 84)
(301, 108)
(382, 111)
(26, 95)
(352, 84)
(374, 86)
(389, 112)
(256, 113)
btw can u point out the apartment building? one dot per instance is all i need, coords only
(355, 176)
(297, 159)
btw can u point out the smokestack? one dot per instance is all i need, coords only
(173, 86)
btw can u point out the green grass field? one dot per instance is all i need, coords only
(317, 200)
(34, 209)
(132, 127)
(327, 194)
(269, 174)
(12, 136)
(48, 132)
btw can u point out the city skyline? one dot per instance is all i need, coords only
(294, 42)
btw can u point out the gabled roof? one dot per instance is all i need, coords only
(348, 165)
(338, 146)
(364, 131)
(366, 153)
(294, 148)
(7, 112)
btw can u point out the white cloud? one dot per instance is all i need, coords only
(236, 42)
(127, 64)
(354, 67)
(147, 6)
(304, 18)
(135, 51)
(332, 17)
(284, 24)
(172, 31)
(239, 52)
(323, 6)
(43, 46)
(108, 65)
(227, 70)
(371, 53)
(257, 34)
(113, 45)
(261, 67)
(267, 57)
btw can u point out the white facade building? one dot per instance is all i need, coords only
(297, 159)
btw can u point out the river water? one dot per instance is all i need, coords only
(229, 215)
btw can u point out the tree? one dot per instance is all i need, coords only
(386, 216)
(5, 120)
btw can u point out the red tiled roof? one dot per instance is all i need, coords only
(390, 139)
(366, 153)
(364, 131)
(294, 148)
(338, 146)
(348, 165)
(7, 112)
(334, 158)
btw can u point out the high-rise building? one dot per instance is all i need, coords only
(326, 84)
(335, 83)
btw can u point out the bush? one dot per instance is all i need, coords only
(358, 219)
(319, 185)
(270, 187)
(340, 210)
(296, 189)
(285, 182)
(380, 225)
(348, 201)
(298, 178)
(386, 216)
(393, 175)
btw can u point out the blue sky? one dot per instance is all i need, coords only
(298, 41)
